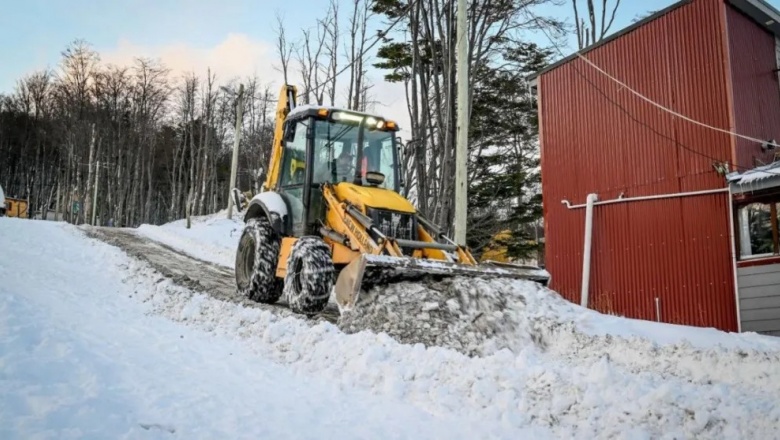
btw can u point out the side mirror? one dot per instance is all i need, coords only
(289, 132)
(375, 178)
(401, 160)
(261, 176)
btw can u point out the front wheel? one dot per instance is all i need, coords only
(310, 276)
(256, 261)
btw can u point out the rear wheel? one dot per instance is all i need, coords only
(256, 261)
(310, 276)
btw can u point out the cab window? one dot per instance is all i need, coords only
(294, 161)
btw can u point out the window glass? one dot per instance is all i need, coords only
(755, 228)
(294, 160)
(293, 172)
(335, 153)
(378, 152)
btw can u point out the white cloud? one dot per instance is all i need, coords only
(237, 55)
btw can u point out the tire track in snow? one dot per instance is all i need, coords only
(192, 273)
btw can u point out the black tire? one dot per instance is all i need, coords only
(310, 276)
(256, 261)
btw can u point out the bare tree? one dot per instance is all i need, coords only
(358, 29)
(284, 48)
(597, 25)
(163, 151)
(330, 27)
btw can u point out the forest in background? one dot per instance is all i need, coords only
(154, 145)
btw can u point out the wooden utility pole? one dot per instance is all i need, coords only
(94, 196)
(56, 204)
(461, 153)
(234, 167)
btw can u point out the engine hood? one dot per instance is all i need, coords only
(371, 197)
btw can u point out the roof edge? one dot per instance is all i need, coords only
(607, 40)
(764, 14)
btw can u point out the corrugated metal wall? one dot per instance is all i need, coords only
(755, 87)
(598, 137)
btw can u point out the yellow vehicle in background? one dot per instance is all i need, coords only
(13, 207)
(16, 207)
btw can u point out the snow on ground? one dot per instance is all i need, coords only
(211, 238)
(214, 238)
(95, 318)
(82, 357)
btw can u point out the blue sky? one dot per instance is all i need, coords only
(235, 37)
(36, 31)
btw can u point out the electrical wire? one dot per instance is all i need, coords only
(660, 106)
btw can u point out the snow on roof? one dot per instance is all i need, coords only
(771, 171)
(306, 107)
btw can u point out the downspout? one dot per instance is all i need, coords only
(730, 211)
(586, 253)
(592, 201)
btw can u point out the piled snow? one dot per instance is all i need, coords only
(82, 356)
(212, 238)
(563, 385)
(558, 371)
(472, 316)
(480, 317)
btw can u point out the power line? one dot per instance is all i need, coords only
(660, 106)
(668, 110)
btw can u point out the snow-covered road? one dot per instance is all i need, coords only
(96, 344)
(81, 358)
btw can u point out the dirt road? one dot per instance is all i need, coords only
(197, 275)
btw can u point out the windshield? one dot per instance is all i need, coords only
(335, 153)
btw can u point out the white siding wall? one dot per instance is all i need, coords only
(759, 298)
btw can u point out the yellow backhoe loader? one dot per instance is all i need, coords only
(330, 215)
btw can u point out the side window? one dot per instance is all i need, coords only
(379, 157)
(758, 230)
(294, 158)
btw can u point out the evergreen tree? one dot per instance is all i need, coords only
(504, 175)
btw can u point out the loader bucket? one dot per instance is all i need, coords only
(371, 270)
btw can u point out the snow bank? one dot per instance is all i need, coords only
(212, 238)
(560, 372)
(82, 357)
(472, 316)
(559, 384)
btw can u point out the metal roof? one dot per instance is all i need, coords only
(760, 11)
(757, 179)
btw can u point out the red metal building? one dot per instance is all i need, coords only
(663, 242)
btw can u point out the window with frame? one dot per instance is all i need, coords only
(294, 156)
(758, 230)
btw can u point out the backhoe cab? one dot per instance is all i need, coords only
(330, 214)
